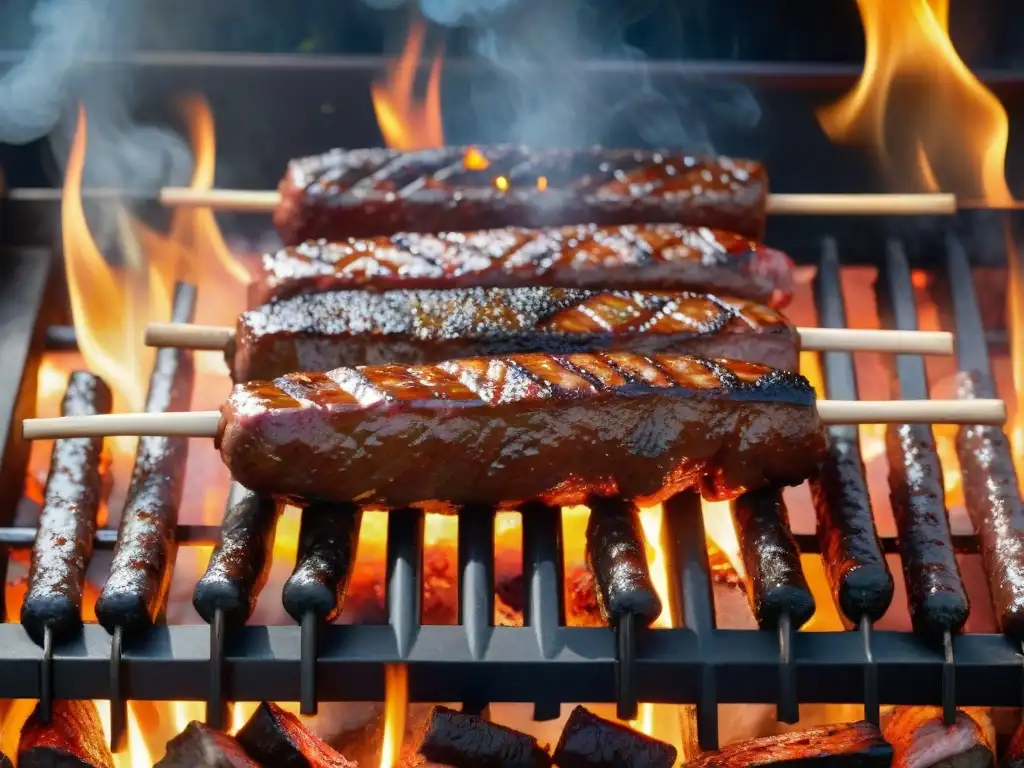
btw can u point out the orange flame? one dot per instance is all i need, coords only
(396, 700)
(501, 183)
(542, 183)
(932, 123)
(404, 122)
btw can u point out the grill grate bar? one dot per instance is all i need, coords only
(404, 576)
(476, 585)
(896, 300)
(840, 378)
(971, 348)
(691, 595)
(544, 593)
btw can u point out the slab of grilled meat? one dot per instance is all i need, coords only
(359, 192)
(321, 331)
(558, 428)
(651, 256)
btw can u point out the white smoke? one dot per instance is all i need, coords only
(70, 62)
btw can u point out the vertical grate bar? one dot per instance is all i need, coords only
(476, 583)
(897, 292)
(971, 346)
(543, 587)
(686, 547)
(404, 574)
(840, 376)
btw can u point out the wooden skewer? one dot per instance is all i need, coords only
(811, 339)
(206, 423)
(937, 204)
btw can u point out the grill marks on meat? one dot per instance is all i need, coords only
(652, 256)
(556, 428)
(370, 191)
(994, 505)
(847, 745)
(920, 740)
(63, 545)
(73, 737)
(321, 331)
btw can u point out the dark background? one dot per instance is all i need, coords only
(988, 33)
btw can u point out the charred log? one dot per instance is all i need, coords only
(920, 739)
(847, 745)
(589, 741)
(73, 738)
(201, 747)
(466, 741)
(278, 738)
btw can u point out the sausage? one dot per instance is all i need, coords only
(616, 554)
(935, 590)
(851, 551)
(328, 537)
(67, 524)
(775, 579)
(994, 506)
(140, 574)
(617, 423)
(241, 561)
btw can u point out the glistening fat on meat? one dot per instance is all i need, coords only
(359, 192)
(318, 332)
(556, 428)
(634, 257)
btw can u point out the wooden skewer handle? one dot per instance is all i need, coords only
(264, 201)
(862, 205)
(855, 340)
(188, 336)
(989, 412)
(206, 423)
(191, 424)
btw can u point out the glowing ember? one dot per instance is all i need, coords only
(405, 122)
(542, 183)
(474, 160)
(501, 183)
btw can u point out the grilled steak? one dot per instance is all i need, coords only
(323, 331)
(361, 192)
(556, 428)
(654, 256)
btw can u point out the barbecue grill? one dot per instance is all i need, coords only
(544, 662)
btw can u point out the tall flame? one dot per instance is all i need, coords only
(396, 696)
(932, 123)
(407, 123)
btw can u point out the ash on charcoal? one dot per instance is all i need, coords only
(201, 747)
(847, 745)
(589, 740)
(278, 738)
(73, 738)
(466, 741)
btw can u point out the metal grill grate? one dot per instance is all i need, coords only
(544, 661)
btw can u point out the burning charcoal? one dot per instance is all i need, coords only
(278, 738)
(920, 739)
(201, 747)
(74, 737)
(845, 745)
(1014, 756)
(589, 740)
(5, 761)
(466, 741)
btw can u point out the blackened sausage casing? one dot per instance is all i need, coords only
(616, 554)
(67, 524)
(852, 554)
(351, 193)
(935, 588)
(326, 555)
(553, 428)
(140, 574)
(240, 563)
(994, 505)
(775, 578)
